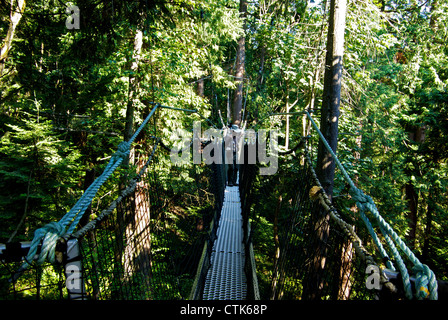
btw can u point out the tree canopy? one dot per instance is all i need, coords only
(68, 96)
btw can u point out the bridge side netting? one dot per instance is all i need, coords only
(150, 247)
(310, 256)
(144, 239)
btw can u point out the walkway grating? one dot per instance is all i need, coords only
(225, 278)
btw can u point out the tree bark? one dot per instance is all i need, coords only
(432, 193)
(332, 93)
(260, 77)
(239, 74)
(89, 178)
(277, 249)
(123, 215)
(289, 107)
(346, 268)
(15, 16)
(417, 135)
(412, 197)
(287, 117)
(346, 271)
(133, 86)
(200, 88)
(428, 228)
(329, 127)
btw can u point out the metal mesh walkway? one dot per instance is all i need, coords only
(225, 278)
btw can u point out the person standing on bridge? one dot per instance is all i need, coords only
(231, 140)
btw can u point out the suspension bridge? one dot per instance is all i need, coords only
(156, 231)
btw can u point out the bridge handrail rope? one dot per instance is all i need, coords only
(49, 234)
(124, 193)
(353, 187)
(426, 283)
(318, 193)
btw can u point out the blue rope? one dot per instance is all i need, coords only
(50, 233)
(426, 283)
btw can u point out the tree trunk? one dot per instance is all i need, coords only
(289, 107)
(200, 88)
(345, 271)
(287, 117)
(329, 127)
(277, 250)
(260, 77)
(123, 215)
(433, 23)
(89, 178)
(332, 93)
(239, 74)
(412, 197)
(15, 16)
(428, 229)
(133, 86)
(346, 268)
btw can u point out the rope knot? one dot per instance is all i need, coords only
(54, 228)
(425, 284)
(53, 231)
(49, 235)
(363, 201)
(122, 150)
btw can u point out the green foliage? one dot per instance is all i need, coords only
(35, 161)
(65, 93)
(400, 130)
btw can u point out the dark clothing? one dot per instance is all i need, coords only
(231, 151)
(232, 171)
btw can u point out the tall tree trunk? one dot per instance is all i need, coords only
(287, 117)
(329, 127)
(428, 229)
(260, 77)
(331, 93)
(133, 86)
(200, 88)
(123, 214)
(15, 16)
(345, 271)
(289, 107)
(412, 197)
(346, 268)
(239, 74)
(433, 192)
(277, 250)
